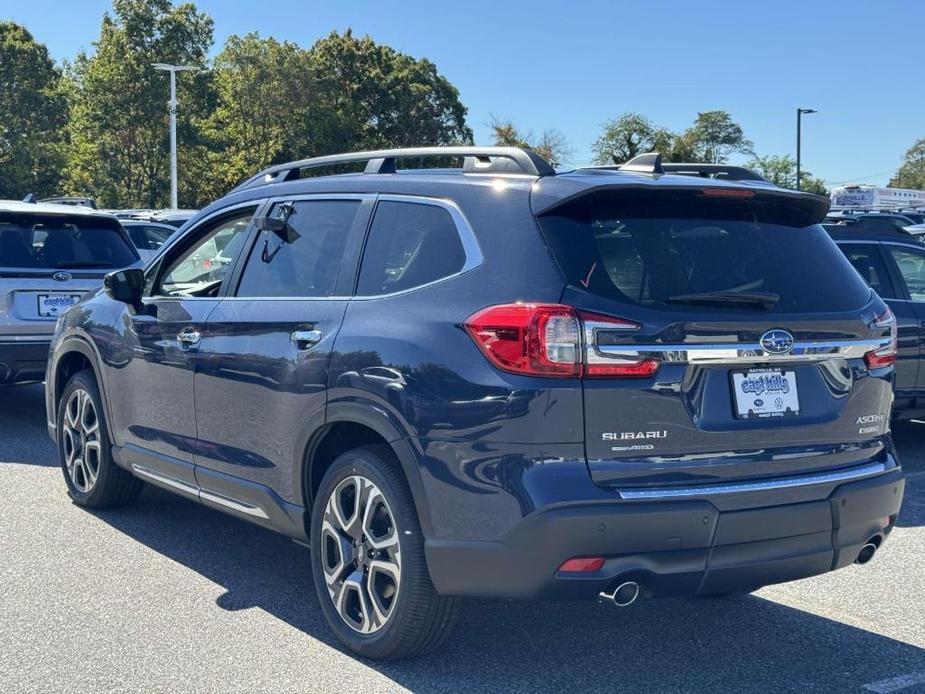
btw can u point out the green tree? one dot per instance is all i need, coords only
(266, 111)
(373, 96)
(782, 171)
(911, 173)
(628, 136)
(119, 134)
(550, 144)
(33, 112)
(713, 137)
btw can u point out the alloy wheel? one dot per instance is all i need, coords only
(81, 440)
(360, 554)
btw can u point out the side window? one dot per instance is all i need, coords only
(155, 237)
(409, 245)
(304, 260)
(200, 269)
(866, 259)
(912, 268)
(137, 234)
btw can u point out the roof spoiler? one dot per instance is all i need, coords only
(651, 163)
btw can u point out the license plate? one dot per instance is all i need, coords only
(53, 305)
(761, 393)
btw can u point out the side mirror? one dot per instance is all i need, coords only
(126, 285)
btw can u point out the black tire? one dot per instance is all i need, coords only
(419, 619)
(112, 486)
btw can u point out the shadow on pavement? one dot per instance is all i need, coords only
(740, 644)
(909, 437)
(23, 436)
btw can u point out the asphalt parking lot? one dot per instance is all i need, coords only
(169, 596)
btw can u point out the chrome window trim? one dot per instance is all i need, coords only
(471, 247)
(757, 486)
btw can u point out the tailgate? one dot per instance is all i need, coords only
(720, 410)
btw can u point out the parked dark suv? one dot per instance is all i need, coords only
(892, 262)
(495, 380)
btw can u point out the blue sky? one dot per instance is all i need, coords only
(573, 65)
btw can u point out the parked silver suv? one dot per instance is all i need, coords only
(50, 256)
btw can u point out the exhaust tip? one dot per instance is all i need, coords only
(866, 554)
(624, 594)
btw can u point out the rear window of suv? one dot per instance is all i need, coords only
(657, 248)
(35, 241)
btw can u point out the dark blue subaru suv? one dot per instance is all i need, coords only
(455, 372)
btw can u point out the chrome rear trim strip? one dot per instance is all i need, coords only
(736, 352)
(757, 486)
(198, 492)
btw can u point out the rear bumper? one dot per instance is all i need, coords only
(685, 547)
(23, 360)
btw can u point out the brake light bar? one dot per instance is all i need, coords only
(885, 356)
(728, 193)
(546, 340)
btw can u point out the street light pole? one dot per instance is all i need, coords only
(172, 109)
(800, 112)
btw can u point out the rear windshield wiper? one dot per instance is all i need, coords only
(765, 300)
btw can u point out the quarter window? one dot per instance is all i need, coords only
(867, 260)
(912, 268)
(409, 245)
(303, 260)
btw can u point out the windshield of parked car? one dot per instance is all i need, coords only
(679, 251)
(34, 241)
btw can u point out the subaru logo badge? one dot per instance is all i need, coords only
(62, 276)
(777, 341)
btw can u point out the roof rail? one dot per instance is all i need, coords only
(721, 171)
(475, 160)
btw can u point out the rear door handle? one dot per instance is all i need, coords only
(304, 339)
(189, 337)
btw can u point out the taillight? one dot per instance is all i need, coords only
(601, 366)
(546, 340)
(533, 339)
(885, 356)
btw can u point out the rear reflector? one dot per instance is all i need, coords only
(640, 369)
(582, 565)
(885, 356)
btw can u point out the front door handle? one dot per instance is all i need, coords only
(304, 339)
(189, 337)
